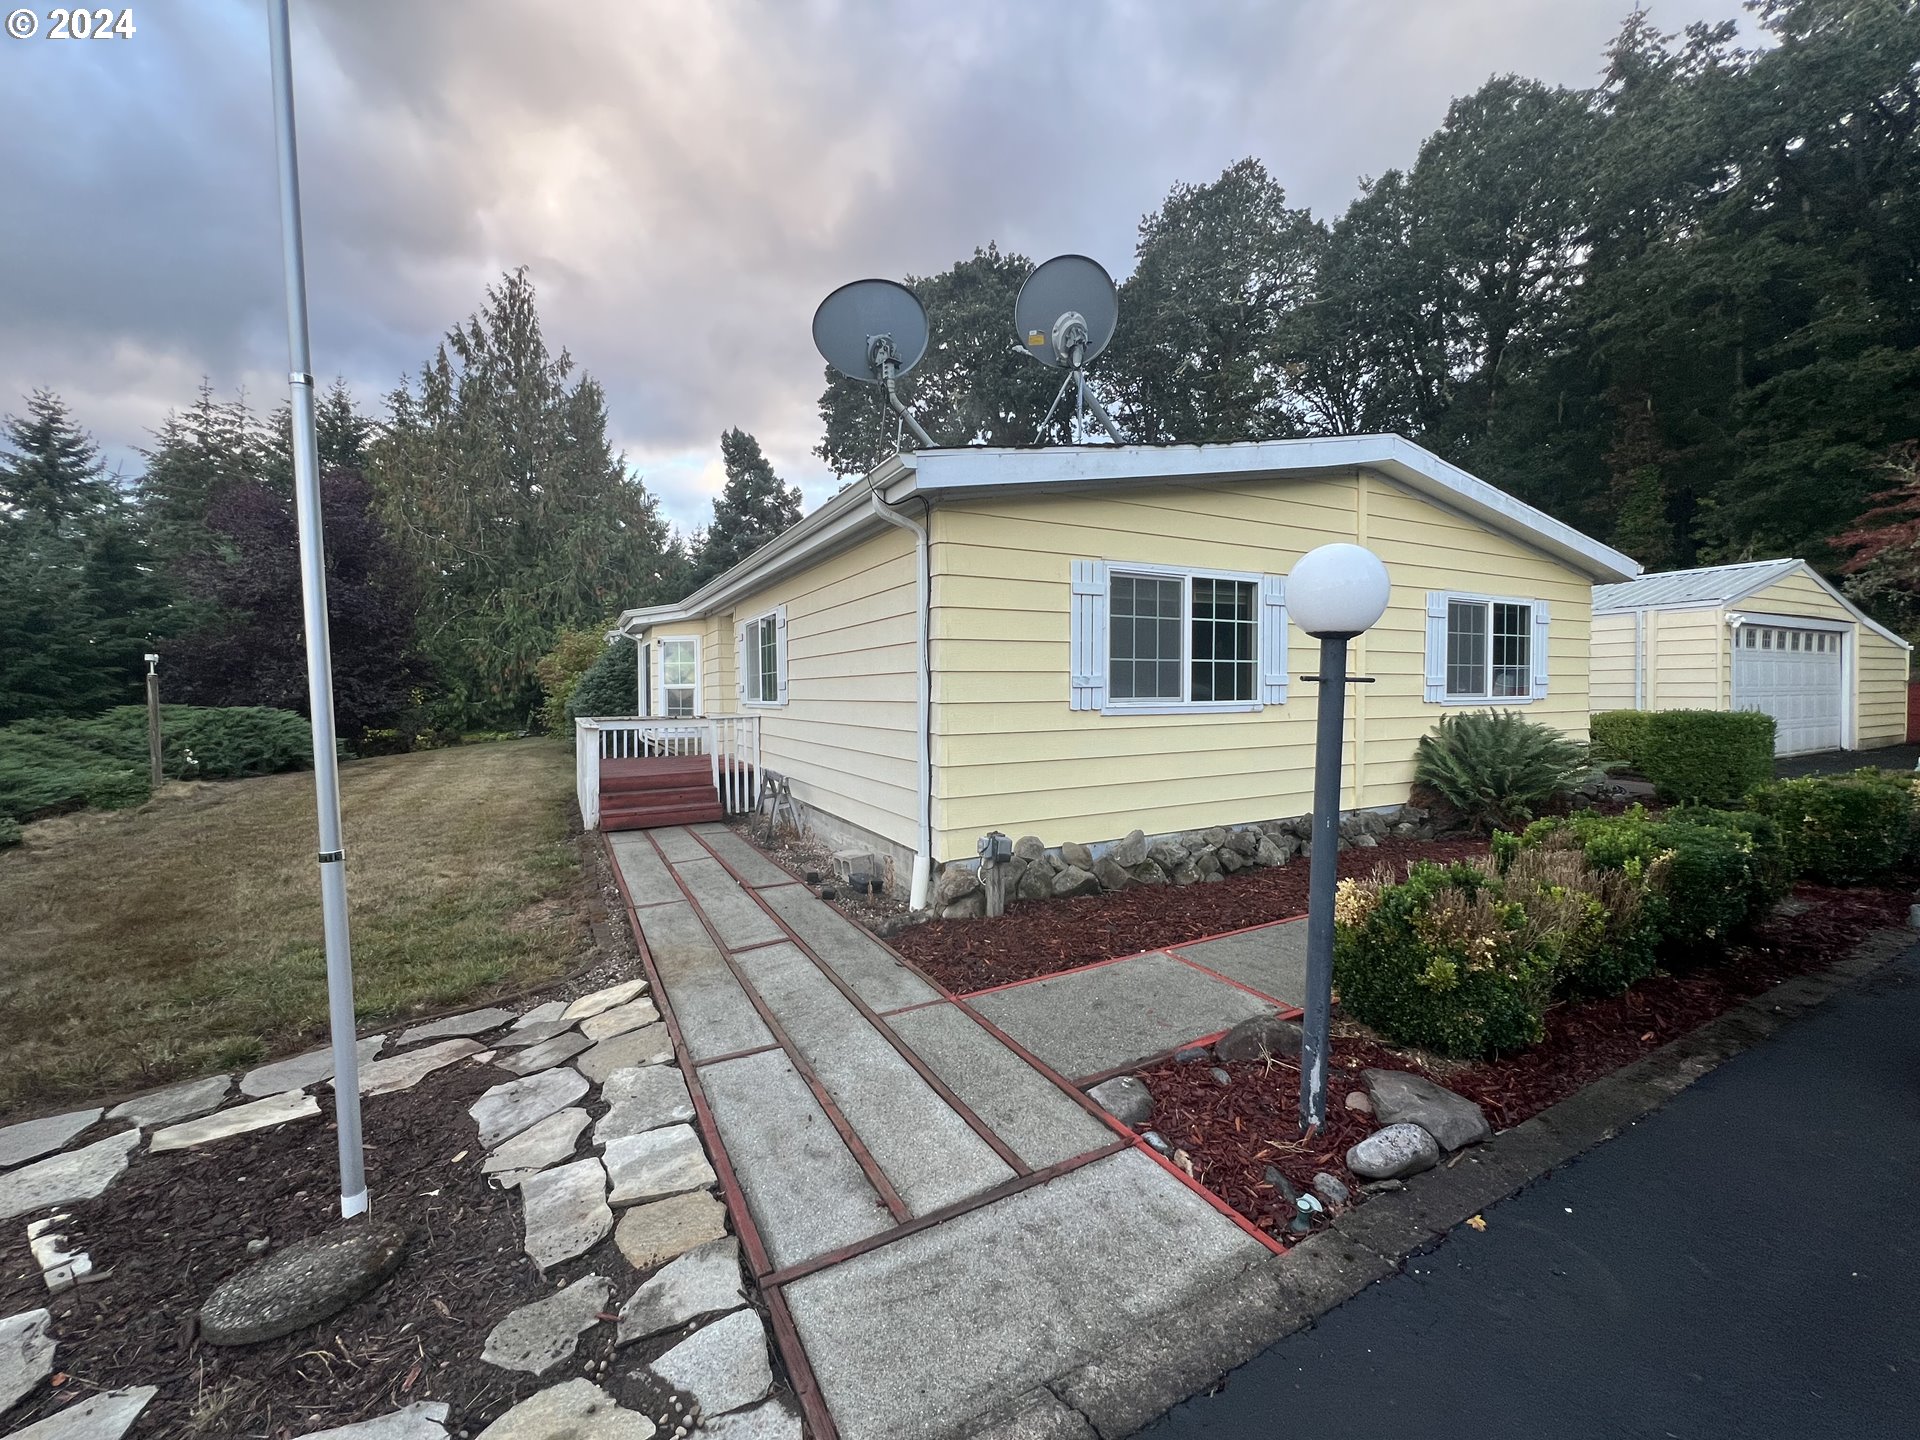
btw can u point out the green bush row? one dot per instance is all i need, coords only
(1692, 757)
(1843, 829)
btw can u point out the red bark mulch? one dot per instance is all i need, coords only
(1232, 1133)
(1044, 937)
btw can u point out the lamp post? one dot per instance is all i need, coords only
(1335, 593)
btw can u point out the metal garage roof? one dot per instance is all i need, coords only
(1712, 585)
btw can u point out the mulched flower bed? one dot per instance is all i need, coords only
(1043, 937)
(175, 1225)
(1232, 1133)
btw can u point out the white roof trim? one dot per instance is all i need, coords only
(1801, 567)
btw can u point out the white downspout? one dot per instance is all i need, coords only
(923, 861)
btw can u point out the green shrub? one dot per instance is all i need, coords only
(1618, 735)
(117, 790)
(559, 672)
(9, 831)
(1842, 829)
(607, 687)
(1448, 961)
(1705, 757)
(1498, 768)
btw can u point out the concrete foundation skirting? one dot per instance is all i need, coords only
(1177, 1354)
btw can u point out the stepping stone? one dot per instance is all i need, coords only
(648, 1045)
(507, 1109)
(657, 1164)
(603, 1000)
(422, 1420)
(577, 1410)
(176, 1102)
(26, 1355)
(1451, 1119)
(619, 1020)
(652, 1234)
(403, 1072)
(643, 1098)
(771, 1421)
(700, 1282)
(77, 1175)
(546, 1142)
(106, 1416)
(302, 1284)
(294, 1105)
(537, 1337)
(303, 1070)
(522, 1036)
(552, 1010)
(554, 1050)
(474, 1022)
(35, 1138)
(722, 1365)
(566, 1211)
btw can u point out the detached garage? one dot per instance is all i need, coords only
(1768, 635)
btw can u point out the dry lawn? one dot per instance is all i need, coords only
(184, 937)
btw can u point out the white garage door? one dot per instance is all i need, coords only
(1796, 677)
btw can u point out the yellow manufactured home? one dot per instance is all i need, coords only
(1767, 635)
(1076, 642)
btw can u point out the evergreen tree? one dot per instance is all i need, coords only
(752, 508)
(196, 456)
(495, 477)
(340, 432)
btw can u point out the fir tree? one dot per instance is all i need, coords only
(750, 510)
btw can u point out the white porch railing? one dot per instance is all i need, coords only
(731, 744)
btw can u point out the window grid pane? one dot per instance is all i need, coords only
(1466, 647)
(1143, 619)
(769, 660)
(1512, 651)
(1224, 639)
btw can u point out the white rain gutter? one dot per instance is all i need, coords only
(923, 860)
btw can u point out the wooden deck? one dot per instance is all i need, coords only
(646, 793)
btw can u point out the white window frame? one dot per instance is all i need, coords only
(1439, 605)
(747, 677)
(660, 684)
(1264, 587)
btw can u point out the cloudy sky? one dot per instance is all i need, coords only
(685, 180)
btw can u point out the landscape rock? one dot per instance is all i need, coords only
(971, 906)
(619, 1020)
(540, 1014)
(403, 1072)
(575, 1410)
(106, 1416)
(422, 1420)
(1126, 1098)
(545, 1142)
(26, 1354)
(1148, 872)
(771, 1421)
(566, 1211)
(649, 1045)
(176, 1102)
(240, 1120)
(539, 1032)
(1358, 1102)
(723, 1365)
(537, 1337)
(1029, 847)
(302, 1070)
(79, 1174)
(1129, 851)
(1111, 874)
(600, 1001)
(1166, 854)
(643, 1097)
(1268, 852)
(1207, 862)
(656, 1164)
(1244, 842)
(955, 881)
(1036, 883)
(1365, 841)
(652, 1234)
(1453, 1120)
(1232, 862)
(1076, 856)
(1396, 1151)
(1258, 1038)
(1220, 1077)
(1184, 874)
(1074, 881)
(302, 1283)
(1331, 1188)
(452, 1027)
(1192, 1055)
(34, 1138)
(507, 1109)
(552, 1051)
(703, 1281)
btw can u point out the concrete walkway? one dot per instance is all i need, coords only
(939, 1222)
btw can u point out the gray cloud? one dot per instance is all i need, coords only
(684, 180)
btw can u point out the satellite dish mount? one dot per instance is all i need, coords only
(1066, 315)
(875, 331)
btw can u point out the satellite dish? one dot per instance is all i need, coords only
(1067, 311)
(874, 331)
(1065, 315)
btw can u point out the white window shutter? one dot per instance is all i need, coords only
(1088, 626)
(1436, 645)
(740, 661)
(1539, 649)
(780, 650)
(1273, 640)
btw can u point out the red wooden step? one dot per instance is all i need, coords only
(652, 817)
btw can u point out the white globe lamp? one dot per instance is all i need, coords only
(1337, 590)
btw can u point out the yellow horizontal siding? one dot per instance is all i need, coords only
(1688, 660)
(1615, 654)
(1010, 754)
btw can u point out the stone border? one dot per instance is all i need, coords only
(1183, 1352)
